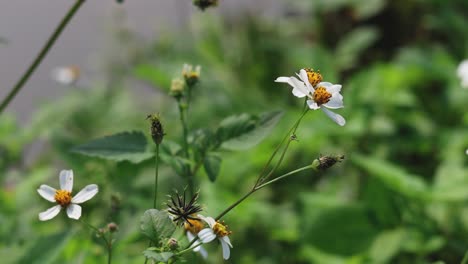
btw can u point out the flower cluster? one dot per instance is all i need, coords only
(320, 95)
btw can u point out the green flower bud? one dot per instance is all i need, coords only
(325, 162)
(177, 88)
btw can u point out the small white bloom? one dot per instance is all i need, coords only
(193, 227)
(66, 75)
(462, 72)
(216, 230)
(318, 93)
(63, 197)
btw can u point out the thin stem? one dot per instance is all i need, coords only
(189, 248)
(156, 168)
(284, 176)
(32, 68)
(107, 242)
(109, 249)
(187, 171)
(465, 259)
(235, 204)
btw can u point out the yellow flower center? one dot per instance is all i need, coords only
(314, 77)
(321, 96)
(220, 229)
(193, 226)
(63, 197)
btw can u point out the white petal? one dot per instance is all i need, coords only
(74, 211)
(334, 88)
(336, 101)
(47, 192)
(325, 84)
(283, 80)
(85, 194)
(227, 240)
(335, 117)
(209, 220)
(462, 70)
(312, 105)
(190, 238)
(305, 79)
(203, 252)
(226, 249)
(50, 213)
(206, 235)
(66, 180)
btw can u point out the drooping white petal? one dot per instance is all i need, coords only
(85, 194)
(209, 220)
(66, 180)
(305, 79)
(190, 238)
(226, 249)
(334, 88)
(227, 240)
(74, 211)
(50, 213)
(312, 105)
(206, 235)
(47, 192)
(336, 101)
(203, 252)
(335, 117)
(283, 79)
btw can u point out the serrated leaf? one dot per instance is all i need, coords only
(156, 225)
(158, 256)
(212, 164)
(394, 177)
(128, 146)
(245, 131)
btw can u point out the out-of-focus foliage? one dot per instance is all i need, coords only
(399, 197)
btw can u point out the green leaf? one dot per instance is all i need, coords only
(156, 225)
(158, 256)
(45, 249)
(386, 245)
(212, 164)
(394, 177)
(353, 44)
(128, 146)
(245, 131)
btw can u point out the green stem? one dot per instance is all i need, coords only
(109, 249)
(187, 171)
(465, 259)
(156, 176)
(50, 42)
(235, 204)
(107, 242)
(188, 248)
(262, 177)
(283, 176)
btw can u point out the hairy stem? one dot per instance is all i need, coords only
(32, 68)
(156, 168)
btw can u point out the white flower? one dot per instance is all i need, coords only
(319, 93)
(462, 72)
(193, 227)
(66, 75)
(216, 230)
(63, 197)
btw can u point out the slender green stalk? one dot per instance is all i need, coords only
(235, 204)
(189, 248)
(187, 171)
(284, 176)
(465, 259)
(107, 241)
(50, 42)
(156, 176)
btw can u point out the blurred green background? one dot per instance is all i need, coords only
(400, 196)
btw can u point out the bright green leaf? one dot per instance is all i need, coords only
(156, 225)
(128, 146)
(212, 164)
(158, 256)
(245, 131)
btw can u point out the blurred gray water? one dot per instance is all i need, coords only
(26, 25)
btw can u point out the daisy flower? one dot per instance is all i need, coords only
(192, 228)
(216, 230)
(320, 95)
(63, 197)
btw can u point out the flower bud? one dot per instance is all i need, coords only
(157, 131)
(177, 88)
(191, 76)
(113, 227)
(203, 4)
(325, 162)
(172, 243)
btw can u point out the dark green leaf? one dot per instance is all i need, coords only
(156, 225)
(158, 256)
(245, 131)
(129, 146)
(212, 164)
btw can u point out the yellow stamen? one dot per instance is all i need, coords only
(220, 229)
(63, 197)
(193, 226)
(321, 95)
(314, 77)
